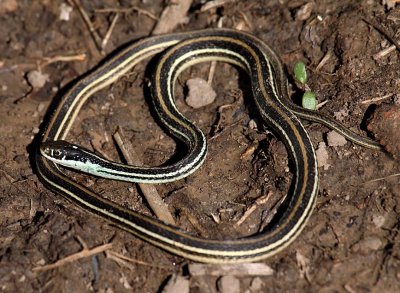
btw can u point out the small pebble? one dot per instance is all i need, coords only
(229, 284)
(200, 93)
(322, 156)
(340, 115)
(125, 282)
(367, 245)
(335, 139)
(37, 79)
(65, 12)
(256, 284)
(305, 11)
(41, 107)
(35, 130)
(378, 220)
(252, 124)
(40, 262)
(385, 126)
(177, 283)
(389, 3)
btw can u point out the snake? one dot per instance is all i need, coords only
(179, 51)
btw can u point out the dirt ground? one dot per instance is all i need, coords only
(352, 241)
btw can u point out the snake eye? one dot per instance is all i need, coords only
(54, 153)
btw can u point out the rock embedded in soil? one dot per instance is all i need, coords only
(176, 283)
(385, 126)
(335, 139)
(367, 245)
(37, 79)
(256, 284)
(200, 93)
(322, 156)
(229, 284)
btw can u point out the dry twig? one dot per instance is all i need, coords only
(127, 10)
(61, 58)
(154, 200)
(384, 52)
(85, 252)
(125, 261)
(43, 62)
(86, 19)
(382, 178)
(259, 201)
(377, 99)
(195, 223)
(244, 23)
(383, 31)
(323, 61)
(109, 32)
(214, 63)
(320, 105)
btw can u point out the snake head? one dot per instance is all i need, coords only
(63, 153)
(72, 156)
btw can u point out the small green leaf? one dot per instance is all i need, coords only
(300, 72)
(309, 101)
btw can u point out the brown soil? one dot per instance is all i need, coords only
(351, 242)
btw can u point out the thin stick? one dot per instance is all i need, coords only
(213, 64)
(60, 58)
(109, 32)
(85, 252)
(8, 177)
(271, 213)
(86, 19)
(81, 242)
(211, 72)
(323, 61)
(41, 63)
(124, 260)
(259, 201)
(383, 31)
(214, 136)
(154, 200)
(127, 10)
(246, 21)
(383, 178)
(195, 223)
(373, 100)
(320, 105)
(384, 52)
